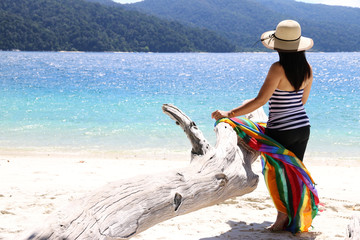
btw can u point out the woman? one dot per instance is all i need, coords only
(287, 88)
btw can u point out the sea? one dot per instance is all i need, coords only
(112, 102)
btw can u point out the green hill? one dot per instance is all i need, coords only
(53, 25)
(333, 28)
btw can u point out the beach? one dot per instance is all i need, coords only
(33, 186)
(71, 123)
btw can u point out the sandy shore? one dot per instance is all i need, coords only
(34, 186)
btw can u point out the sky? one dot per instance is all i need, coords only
(126, 1)
(349, 3)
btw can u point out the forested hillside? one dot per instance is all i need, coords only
(211, 25)
(333, 28)
(53, 25)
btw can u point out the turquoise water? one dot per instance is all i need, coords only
(112, 101)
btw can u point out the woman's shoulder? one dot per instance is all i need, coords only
(276, 64)
(276, 67)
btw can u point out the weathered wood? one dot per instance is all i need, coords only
(353, 229)
(125, 208)
(200, 145)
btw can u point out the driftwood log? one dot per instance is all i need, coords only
(353, 229)
(125, 208)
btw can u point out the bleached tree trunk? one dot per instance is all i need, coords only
(125, 208)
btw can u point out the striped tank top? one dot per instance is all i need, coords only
(286, 110)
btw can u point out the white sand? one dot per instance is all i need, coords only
(34, 186)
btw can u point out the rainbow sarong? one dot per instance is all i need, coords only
(287, 179)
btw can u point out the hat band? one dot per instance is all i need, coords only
(293, 40)
(271, 36)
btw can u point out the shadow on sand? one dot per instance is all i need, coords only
(243, 231)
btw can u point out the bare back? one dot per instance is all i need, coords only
(285, 84)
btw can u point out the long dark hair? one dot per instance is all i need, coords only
(296, 67)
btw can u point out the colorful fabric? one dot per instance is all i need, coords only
(287, 179)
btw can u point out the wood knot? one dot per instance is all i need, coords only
(223, 179)
(192, 124)
(220, 176)
(177, 201)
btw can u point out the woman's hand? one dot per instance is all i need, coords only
(218, 114)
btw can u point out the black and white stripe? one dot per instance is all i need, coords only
(286, 110)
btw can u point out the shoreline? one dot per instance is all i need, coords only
(151, 154)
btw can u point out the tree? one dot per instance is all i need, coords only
(123, 209)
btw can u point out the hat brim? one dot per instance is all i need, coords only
(302, 44)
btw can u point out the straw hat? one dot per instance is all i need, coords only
(287, 38)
